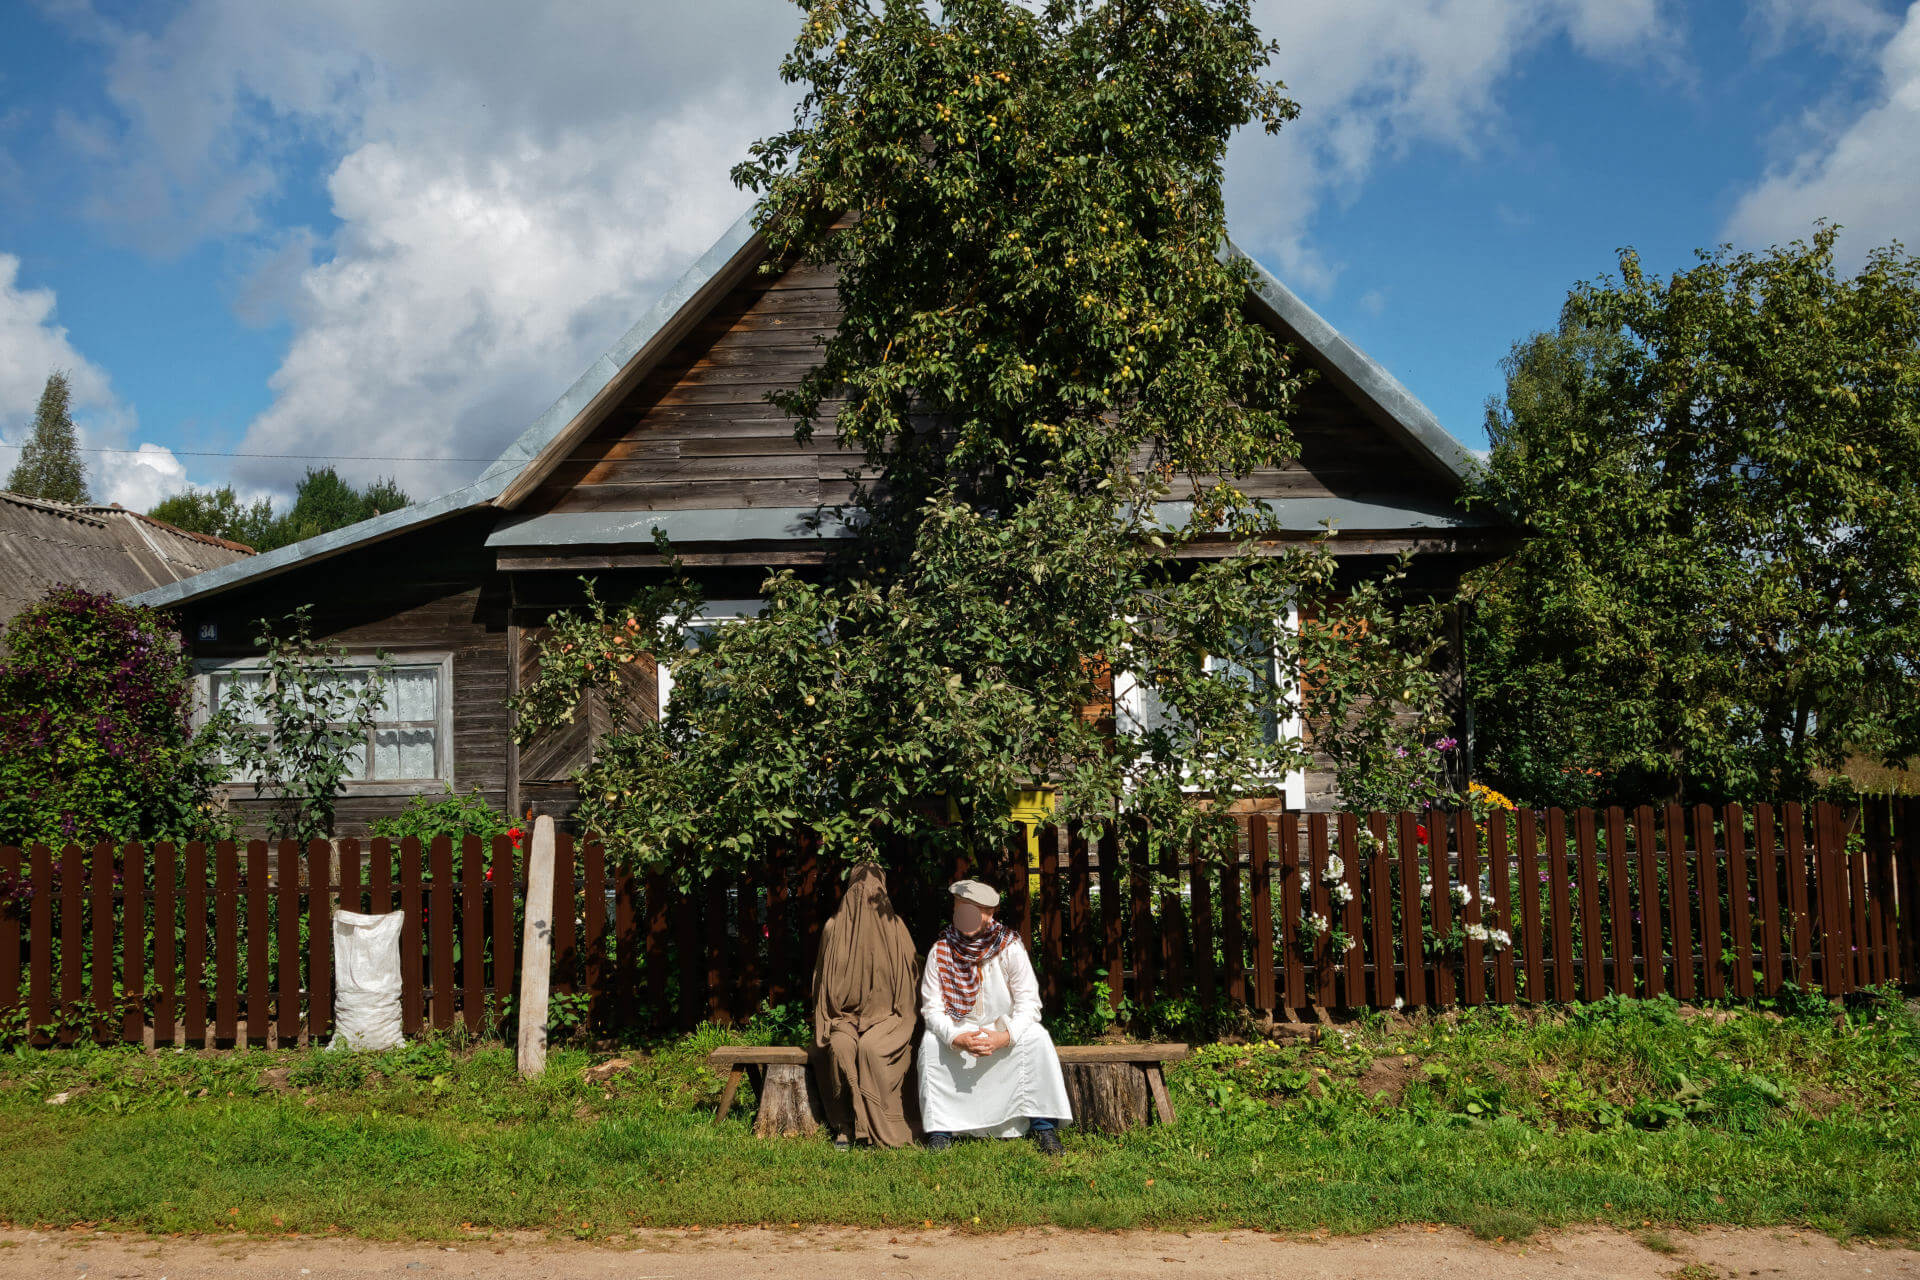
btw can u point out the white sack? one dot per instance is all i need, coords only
(366, 980)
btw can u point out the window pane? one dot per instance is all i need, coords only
(412, 694)
(327, 693)
(404, 753)
(239, 688)
(357, 761)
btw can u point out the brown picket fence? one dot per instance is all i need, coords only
(230, 944)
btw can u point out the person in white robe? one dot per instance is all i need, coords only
(987, 1067)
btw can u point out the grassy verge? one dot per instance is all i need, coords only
(1637, 1115)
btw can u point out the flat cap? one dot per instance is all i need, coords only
(979, 894)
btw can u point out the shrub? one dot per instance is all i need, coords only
(96, 733)
(452, 814)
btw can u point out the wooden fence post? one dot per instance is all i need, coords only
(536, 966)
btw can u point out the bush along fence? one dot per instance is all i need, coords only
(230, 944)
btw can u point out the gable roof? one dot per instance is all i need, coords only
(597, 392)
(107, 549)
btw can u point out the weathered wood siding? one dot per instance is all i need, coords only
(700, 434)
(432, 591)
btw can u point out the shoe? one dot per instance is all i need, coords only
(939, 1141)
(1048, 1140)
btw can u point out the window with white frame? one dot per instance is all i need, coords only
(1141, 710)
(715, 614)
(410, 744)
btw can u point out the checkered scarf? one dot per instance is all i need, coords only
(960, 958)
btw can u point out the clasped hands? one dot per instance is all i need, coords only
(983, 1042)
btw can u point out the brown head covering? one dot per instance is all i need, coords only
(865, 998)
(867, 968)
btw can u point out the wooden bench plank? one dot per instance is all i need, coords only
(761, 1055)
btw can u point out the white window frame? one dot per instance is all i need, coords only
(440, 661)
(713, 612)
(1130, 709)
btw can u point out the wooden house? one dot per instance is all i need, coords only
(670, 430)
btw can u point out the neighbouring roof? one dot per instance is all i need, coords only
(583, 406)
(105, 549)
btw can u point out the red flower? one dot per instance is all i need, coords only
(1420, 831)
(513, 835)
(489, 873)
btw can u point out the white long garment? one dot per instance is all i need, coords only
(994, 1096)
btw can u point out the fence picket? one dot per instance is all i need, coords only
(1353, 962)
(1413, 952)
(627, 913)
(133, 944)
(1200, 890)
(1531, 937)
(746, 955)
(320, 941)
(1680, 913)
(1766, 868)
(693, 960)
(1592, 964)
(473, 931)
(1466, 840)
(226, 942)
(1498, 864)
(1145, 944)
(1880, 890)
(165, 916)
(379, 875)
(412, 963)
(719, 990)
(1794, 820)
(1620, 901)
(659, 932)
(1560, 897)
(1739, 914)
(10, 933)
(1112, 920)
(1292, 907)
(1079, 905)
(40, 944)
(1380, 908)
(103, 871)
(1314, 869)
(505, 877)
(1906, 835)
(1826, 870)
(1440, 895)
(1260, 891)
(1706, 868)
(1860, 946)
(1652, 945)
(287, 926)
(1052, 946)
(1173, 926)
(1233, 950)
(259, 943)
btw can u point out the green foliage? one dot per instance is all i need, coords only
(96, 735)
(1721, 475)
(322, 502)
(452, 814)
(317, 717)
(50, 465)
(218, 513)
(1053, 383)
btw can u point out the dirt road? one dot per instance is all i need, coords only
(1414, 1253)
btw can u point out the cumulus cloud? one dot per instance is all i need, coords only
(1862, 171)
(32, 345)
(510, 185)
(1377, 77)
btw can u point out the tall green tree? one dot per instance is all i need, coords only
(1721, 473)
(49, 465)
(1047, 366)
(322, 502)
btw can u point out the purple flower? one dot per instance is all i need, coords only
(1446, 744)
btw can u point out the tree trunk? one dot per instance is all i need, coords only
(787, 1105)
(1107, 1097)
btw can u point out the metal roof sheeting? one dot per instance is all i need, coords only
(105, 549)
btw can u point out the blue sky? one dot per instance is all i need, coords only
(337, 228)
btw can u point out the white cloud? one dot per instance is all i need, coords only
(1377, 77)
(1863, 172)
(511, 184)
(1843, 25)
(32, 345)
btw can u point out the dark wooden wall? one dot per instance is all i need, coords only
(434, 590)
(699, 433)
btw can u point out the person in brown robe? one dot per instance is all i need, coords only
(865, 1005)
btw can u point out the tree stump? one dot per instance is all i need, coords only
(787, 1106)
(1107, 1097)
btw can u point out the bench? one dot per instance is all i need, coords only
(738, 1060)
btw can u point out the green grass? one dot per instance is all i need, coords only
(1618, 1113)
